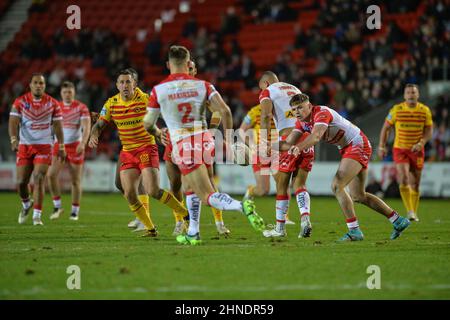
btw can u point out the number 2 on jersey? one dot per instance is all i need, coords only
(185, 108)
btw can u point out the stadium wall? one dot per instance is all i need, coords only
(99, 177)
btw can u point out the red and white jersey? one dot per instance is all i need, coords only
(280, 93)
(72, 115)
(36, 117)
(340, 131)
(182, 101)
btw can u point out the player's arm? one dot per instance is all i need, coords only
(96, 131)
(150, 119)
(216, 118)
(316, 134)
(291, 139)
(58, 130)
(13, 128)
(86, 128)
(384, 135)
(427, 135)
(266, 118)
(218, 105)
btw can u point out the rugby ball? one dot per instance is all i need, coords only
(241, 153)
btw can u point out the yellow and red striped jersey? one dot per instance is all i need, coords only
(253, 118)
(409, 123)
(128, 117)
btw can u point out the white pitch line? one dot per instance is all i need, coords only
(289, 287)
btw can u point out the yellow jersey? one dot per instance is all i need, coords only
(409, 123)
(253, 118)
(128, 117)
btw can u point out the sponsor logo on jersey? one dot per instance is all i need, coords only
(288, 114)
(103, 111)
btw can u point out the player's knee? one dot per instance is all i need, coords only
(359, 197)
(76, 183)
(38, 177)
(336, 186)
(131, 196)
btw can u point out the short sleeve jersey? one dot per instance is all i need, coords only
(340, 132)
(280, 94)
(128, 117)
(72, 115)
(36, 118)
(409, 123)
(181, 100)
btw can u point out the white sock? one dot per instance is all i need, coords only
(352, 223)
(281, 206)
(219, 223)
(223, 201)
(303, 201)
(194, 206)
(393, 217)
(26, 203)
(37, 213)
(57, 202)
(75, 208)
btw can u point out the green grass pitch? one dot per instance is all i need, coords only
(116, 264)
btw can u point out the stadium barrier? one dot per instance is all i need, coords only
(99, 177)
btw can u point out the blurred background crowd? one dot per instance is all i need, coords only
(323, 47)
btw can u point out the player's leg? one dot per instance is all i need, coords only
(303, 202)
(76, 174)
(348, 169)
(129, 181)
(262, 186)
(415, 176)
(54, 187)
(39, 173)
(199, 181)
(218, 217)
(174, 175)
(282, 180)
(133, 224)
(150, 180)
(193, 205)
(403, 169)
(23, 173)
(358, 194)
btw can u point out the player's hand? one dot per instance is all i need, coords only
(381, 152)
(294, 150)
(165, 137)
(14, 145)
(417, 147)
(80, 148)
(93, 142)
(61, 155)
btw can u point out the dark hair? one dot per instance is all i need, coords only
(37, 74)
(178, 54)
(67, 85)
(298, 98)
(128, 72)
(412, 85)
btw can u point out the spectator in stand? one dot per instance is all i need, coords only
(230, 22)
